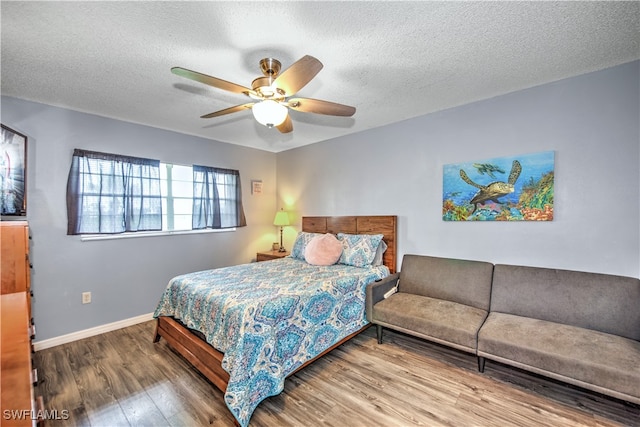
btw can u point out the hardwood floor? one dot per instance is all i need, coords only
(121, 378)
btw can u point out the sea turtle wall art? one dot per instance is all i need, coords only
(517, 188)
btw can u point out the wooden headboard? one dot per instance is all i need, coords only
(381, 224)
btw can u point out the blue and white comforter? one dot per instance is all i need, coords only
(269, 318)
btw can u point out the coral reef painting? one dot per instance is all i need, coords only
(518, 188)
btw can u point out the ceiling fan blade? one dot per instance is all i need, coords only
(227, 111)
(286, 126)
(298, 75)
(317, 106)
(211, 81)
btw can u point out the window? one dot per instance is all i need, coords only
(109, 194)
(199, 197)
(217, 198)
(177, 196)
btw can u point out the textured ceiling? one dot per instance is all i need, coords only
(391, 60)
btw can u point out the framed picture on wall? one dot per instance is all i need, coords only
(256, 187)
(516, 188)
(13, 172)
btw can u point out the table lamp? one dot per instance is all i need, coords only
(281, 219)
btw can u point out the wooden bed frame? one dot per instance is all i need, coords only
(208, 360)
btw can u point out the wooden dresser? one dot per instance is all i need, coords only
(14, 255)
(19, 407)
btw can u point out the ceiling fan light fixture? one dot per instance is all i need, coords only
(269, 113)
(271, 94)
(262, 85)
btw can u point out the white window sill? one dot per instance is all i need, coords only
(138, 234)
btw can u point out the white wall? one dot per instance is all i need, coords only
(591, 122)
(126, 277)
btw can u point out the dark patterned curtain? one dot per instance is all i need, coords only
(110, 193)
(217, 198)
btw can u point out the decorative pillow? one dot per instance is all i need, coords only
(378, 258)
(323, 250)
(359, 249)
(302, 240)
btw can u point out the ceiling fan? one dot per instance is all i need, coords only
(272, 93)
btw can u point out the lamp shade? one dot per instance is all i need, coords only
(281, 219)
(269, 113)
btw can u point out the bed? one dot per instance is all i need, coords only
(262, 322)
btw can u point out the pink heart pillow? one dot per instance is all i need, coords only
(323, 250)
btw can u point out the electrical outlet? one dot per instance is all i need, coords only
(86, 297)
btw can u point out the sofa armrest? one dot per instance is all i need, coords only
(376, 291)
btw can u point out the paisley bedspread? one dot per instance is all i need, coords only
(269, 318)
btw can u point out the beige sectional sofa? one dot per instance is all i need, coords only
(581, 328)
(439, 299)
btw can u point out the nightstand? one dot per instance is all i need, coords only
(266, 256)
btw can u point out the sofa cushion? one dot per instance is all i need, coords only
(462, 281)
(442, 321)
(601, 302)
(571, 353)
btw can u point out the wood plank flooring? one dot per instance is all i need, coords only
(121, 378)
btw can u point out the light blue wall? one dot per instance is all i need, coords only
(126, 277)
(590, 121)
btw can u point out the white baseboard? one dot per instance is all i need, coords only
(74, 336)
